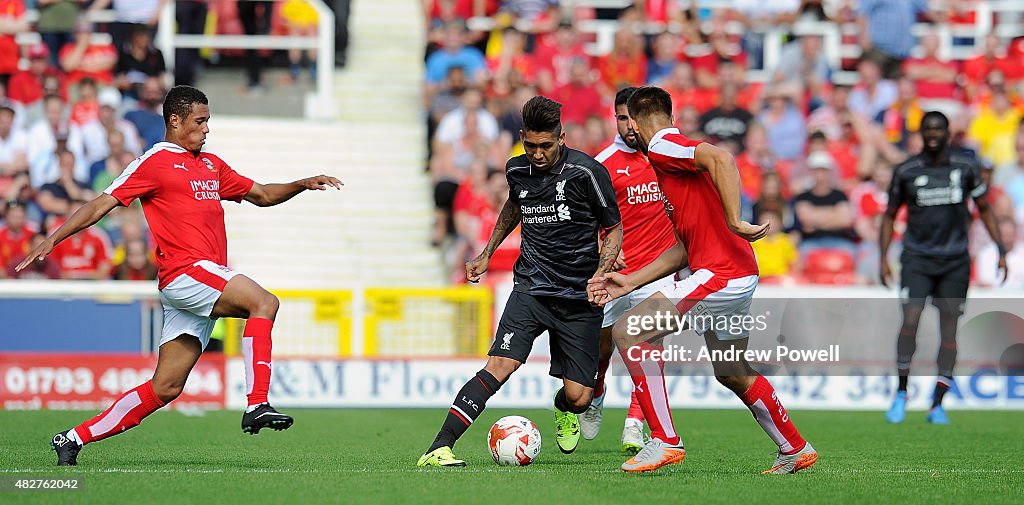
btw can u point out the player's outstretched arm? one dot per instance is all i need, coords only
(508, 219)
(83, 218)
(612, 285)
(989, 218)
(267, 195)
(726, 177)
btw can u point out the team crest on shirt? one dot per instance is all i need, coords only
(560, 191)
(209, 164)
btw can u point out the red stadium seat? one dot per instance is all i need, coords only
(829, 266)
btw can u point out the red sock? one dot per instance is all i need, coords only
(127, 412)
(772, 416)
(651, 394)
(256, 354)
(635, 412)
(602, 370)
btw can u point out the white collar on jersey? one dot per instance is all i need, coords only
(170, 146)
(620, 144)
(661, 133)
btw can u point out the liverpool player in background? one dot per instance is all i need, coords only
(935, 186)
(646, 233)
(701, 186)
(563, 198)
(181, 188)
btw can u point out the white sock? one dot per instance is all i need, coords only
(634, 422)
(251, 408)
(73, 436)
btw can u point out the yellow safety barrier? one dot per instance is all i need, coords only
(453, 321)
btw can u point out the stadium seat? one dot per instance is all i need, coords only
(829, 266)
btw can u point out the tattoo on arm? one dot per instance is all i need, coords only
(610, 246)
(507, 221)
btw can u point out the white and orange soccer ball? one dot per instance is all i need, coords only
(514, 441)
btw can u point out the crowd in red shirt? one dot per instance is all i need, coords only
(815, 151)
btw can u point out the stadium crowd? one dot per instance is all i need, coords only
(815, 151)
(79, 101)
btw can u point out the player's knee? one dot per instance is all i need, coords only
(168, 390)
(501, 368)
(266, 307)
(579, 400)
(736, 383)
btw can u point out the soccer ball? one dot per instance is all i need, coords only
(514, 441)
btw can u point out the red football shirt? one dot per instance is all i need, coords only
(82, 254)
(14, 245)
(696, 209)
(9, 52)
(647, 232)
(181, 195)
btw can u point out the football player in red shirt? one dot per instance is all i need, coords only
(701, 186)
(181, 188)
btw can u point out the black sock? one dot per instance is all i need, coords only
(562, 403)
(941, 386)
(468, 404)
(903, 381)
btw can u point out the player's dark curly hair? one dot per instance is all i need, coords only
(542, 114)
(934, 115)
(623, 95)
(179, 101)
(649, 101)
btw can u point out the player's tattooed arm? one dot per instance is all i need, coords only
(611, 245)
(508, 219)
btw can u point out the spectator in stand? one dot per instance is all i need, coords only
(772, 200)
(137, 61)
(868, 201)
(728, 122)
(776, 255)
(452, 126)
(13, 151)
(987, 274)
(113, 166)
(190, 17)
(1011, 175)
(85, 255)
(802, 64)
(666, 50)
(784, 122)
(301, 20)
(67, 183)
(826, 118)
(903, 118)
(86, 108)
(706, 66)
(757, 160)
(995, 128)
(454, 53)
(976, 70)
(44, 142)
(26, 87)
(684, 91)
(579, 97)
(95, 133)
(45, 268)
(554, 58)
(255, 17)
(136, 265)
(872, 95)
(130, 14)
(56, 24)
(934, 78)
(148, 117)
(823, 215)
(15, 234)
(688, 122)
(541, 16)
(885, 34)
(756, 15)
(510, 62)
(476, 213)
(88, 58)
(625, 65)
(12, 22)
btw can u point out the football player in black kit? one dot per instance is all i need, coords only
(935, 186)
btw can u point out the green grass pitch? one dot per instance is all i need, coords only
(369, 456)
